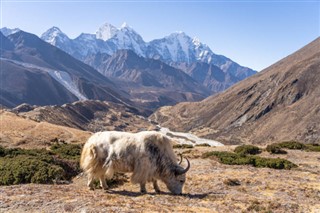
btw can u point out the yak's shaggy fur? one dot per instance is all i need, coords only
(148, 155)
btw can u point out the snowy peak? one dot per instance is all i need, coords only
(7, 31)
(106, 32)
(54, 35)
(177, 47)
(125, 25)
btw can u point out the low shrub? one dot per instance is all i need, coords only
(313, 147)
(291, 145)
(182, 146)
(69, 151)
(38, 165)
(247, 150)
(256, 161)
(275, 149)
(274, 163)
(203, 144)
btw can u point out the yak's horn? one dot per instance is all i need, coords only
(183, 171)
(180, 159)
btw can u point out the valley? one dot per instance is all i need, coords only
(252, 138)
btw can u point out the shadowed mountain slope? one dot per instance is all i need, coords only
(280, 103)
(148, 81)
(36, 72)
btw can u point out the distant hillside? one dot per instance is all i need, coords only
(17, 131)
(88, 115)
(280, 103)
(150, 82)
(35, 72)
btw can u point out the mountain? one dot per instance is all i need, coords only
(148, 80)
(174, 49)
(280, 103)
(209, 75)
(36, 72)
(6, 44)
(57, 38)
(7, 31)
(106, 31)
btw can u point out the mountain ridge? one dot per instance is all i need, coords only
(30, 62)
(254, 110)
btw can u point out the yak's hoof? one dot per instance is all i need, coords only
(143, 191)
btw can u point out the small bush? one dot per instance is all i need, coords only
(229, 158)
(247, 150)
(313, 147)
(28, 169)
(182, 146)
(203, 144)
(274, 163)
(275, 149)
(291, 145)
(39, 165)
(256, 161)
(69, 151)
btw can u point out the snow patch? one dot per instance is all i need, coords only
(62, 77)
(65, 79)
(188, 138)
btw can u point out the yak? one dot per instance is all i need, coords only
(148, 155)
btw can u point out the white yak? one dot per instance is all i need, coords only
(148, 155)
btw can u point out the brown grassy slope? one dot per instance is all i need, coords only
(280, 103)
(90, 115)
(16, 131)
(260, 190)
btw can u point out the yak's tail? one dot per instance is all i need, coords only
(89, 158)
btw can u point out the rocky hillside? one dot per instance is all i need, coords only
(280, 103)
(88, 115)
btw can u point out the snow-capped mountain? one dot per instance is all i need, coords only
(106, 32)
(127, 38)
(179, 47)
(56, 37)
(108, 39)
(7, 31)
(173, 49)
(178, 50)
(36, 72)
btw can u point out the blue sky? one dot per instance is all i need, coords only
(252, 33)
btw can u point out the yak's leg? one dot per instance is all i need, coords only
(90, 181)
(143, 188)
(103, 183)
(155, 186)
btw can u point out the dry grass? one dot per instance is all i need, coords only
(260, 190)
(16, 131)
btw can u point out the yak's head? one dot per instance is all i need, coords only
(177, 179)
